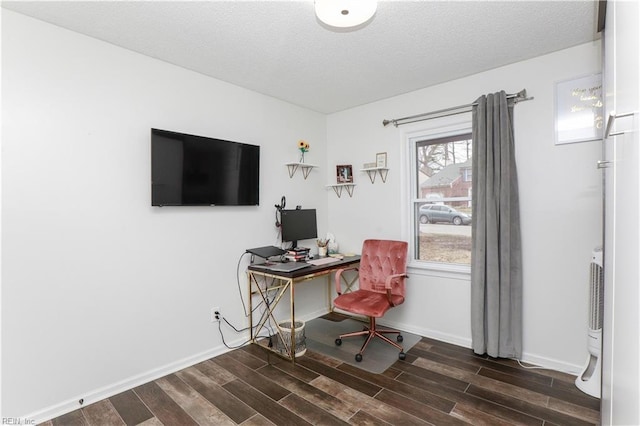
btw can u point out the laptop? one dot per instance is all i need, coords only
(266, 252)
(288, 266)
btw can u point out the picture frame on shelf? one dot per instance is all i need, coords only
(344, 173)
(381, 159)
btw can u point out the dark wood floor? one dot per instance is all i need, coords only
(437, 383)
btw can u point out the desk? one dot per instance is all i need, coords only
(263, 280)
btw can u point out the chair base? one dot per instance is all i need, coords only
(372, 331)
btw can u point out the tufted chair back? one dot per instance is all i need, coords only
(379, 259)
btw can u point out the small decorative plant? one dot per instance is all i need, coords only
(303, 146)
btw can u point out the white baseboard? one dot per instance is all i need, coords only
(432, 334)
(132, 382)
(129, 383)
(314, 315)
(465, 342)
(551, 364)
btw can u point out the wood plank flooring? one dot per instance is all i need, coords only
(437, 384)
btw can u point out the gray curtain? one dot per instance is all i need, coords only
(496, 257)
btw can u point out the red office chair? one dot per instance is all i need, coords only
(382, 273)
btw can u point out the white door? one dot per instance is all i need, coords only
(621, 334)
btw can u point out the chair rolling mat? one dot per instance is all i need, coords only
(379, 356)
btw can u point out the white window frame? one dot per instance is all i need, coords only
(432, 129)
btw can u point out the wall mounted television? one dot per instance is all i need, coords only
(189, 170)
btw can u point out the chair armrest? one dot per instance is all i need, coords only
(339, 277)
(387, 285)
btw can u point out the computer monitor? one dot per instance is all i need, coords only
(299, 224)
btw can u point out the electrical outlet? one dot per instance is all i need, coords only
(215, 314)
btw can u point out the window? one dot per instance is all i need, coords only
(466, 174)
(441, 198)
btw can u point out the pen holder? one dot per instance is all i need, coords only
(322, 251)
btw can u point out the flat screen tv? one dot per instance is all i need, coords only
(189, 170)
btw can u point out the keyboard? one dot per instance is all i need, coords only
(323, 261)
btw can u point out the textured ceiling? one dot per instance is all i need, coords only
(278, 48)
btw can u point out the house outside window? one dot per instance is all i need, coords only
(441, 198)
(466, 174)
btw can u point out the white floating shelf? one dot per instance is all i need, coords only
(372, 171)
(337, 188)
(305, 167)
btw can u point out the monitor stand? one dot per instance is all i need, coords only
(294, 247)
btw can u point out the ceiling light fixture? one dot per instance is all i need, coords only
(345, 13)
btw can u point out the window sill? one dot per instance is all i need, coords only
(444, 270)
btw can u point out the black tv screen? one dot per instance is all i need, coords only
(189, 170)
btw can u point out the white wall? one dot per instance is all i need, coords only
(560, 194)
(101, 291)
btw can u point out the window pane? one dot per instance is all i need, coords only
(442, 211)
(440, 239)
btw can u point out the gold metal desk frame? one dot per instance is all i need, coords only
(262, 280)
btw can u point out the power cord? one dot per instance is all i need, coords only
(244, 307)
(238, 346)
(267, 325)
(528, 367)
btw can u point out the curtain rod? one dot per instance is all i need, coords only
(517, 97)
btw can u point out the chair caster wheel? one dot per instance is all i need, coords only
(358, 357)
(338, 342)
(402, 356)
(399, 338)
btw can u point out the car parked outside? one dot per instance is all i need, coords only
(433, 213)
